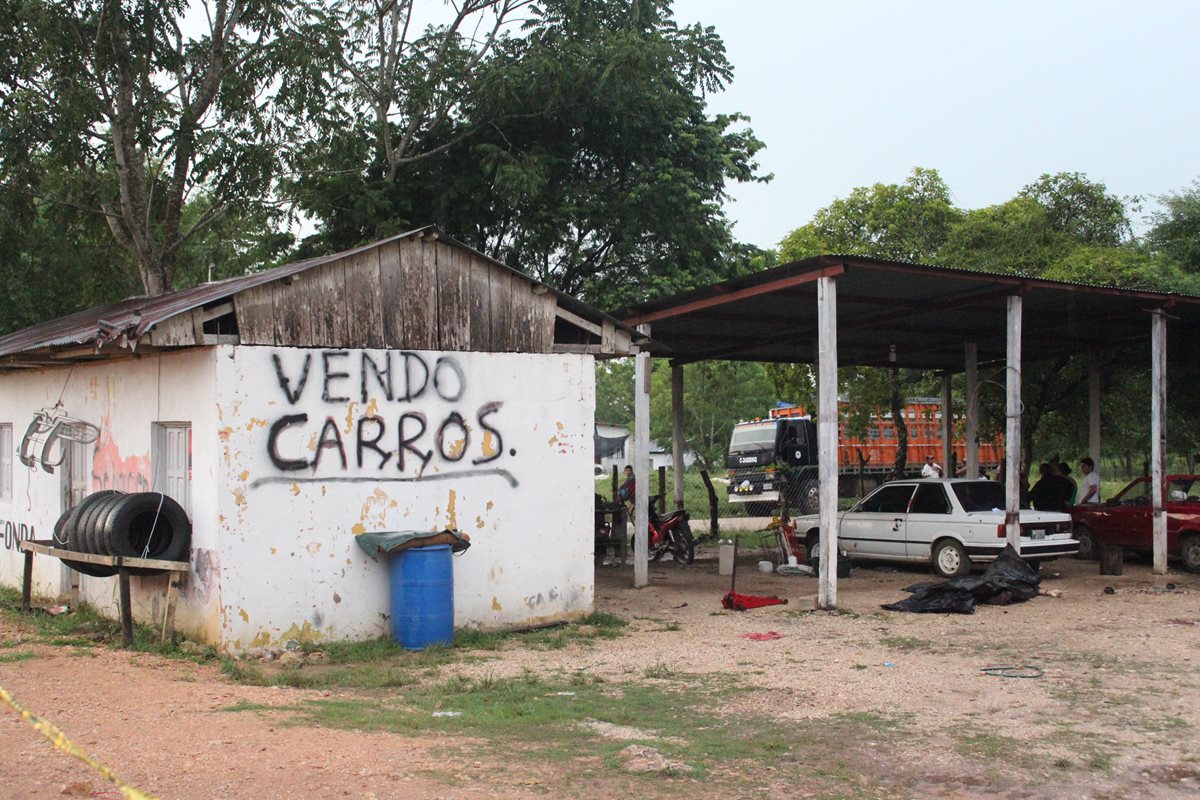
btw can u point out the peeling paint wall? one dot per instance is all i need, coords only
(296, 451)
(317, 446)
(123, 398)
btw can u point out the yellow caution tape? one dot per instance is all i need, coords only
(60, 740)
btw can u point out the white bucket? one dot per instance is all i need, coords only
(766, 566)
(725, 559)
(792, 562)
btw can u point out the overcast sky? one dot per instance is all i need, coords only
(991, 94)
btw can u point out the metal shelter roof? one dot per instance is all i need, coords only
(925, 312)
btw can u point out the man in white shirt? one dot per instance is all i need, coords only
(1090, 488)
(931, 469)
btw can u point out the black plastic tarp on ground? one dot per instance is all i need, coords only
(1008, 579)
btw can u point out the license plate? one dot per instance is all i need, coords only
(1037, 533)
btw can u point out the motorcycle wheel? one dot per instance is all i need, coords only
(656, 554)
(683, 544)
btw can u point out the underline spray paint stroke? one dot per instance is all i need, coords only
(441, 476)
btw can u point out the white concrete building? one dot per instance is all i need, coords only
(409, 385)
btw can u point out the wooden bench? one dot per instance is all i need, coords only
(124, 564)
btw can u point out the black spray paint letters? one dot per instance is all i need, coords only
(409, 440)
(15, 532)
(399, 376)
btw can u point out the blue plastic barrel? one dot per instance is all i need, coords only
(422, 584)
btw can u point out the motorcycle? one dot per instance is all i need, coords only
(671, 534)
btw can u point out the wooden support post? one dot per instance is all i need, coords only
(972, 398)
(677, 443)
(661, 497)
(27, 581)
(1012, 427)
(126, 608)
(1094, 409)
(641, 465)
(827, 433)
(1158, 435)
(948, 461)
(168, 629)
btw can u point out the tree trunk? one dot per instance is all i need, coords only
(713, 526)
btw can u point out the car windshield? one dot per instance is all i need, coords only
(753, 436)
(979, 495)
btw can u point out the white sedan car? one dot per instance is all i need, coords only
(951, 523)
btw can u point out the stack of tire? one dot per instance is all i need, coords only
(133, 525)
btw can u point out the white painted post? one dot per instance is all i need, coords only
(1094, 409)
(677, 465)
(1158, 434)
(1012, 427)
(972, 398)
(641, 464)
(827, 433)
(947, 427)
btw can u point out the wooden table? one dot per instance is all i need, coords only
(123, 564)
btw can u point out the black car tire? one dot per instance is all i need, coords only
(1088, 551)
(1189, 551)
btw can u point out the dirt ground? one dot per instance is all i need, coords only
(1114, 714)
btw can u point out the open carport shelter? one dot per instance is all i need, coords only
(838, 310)
(408, 385)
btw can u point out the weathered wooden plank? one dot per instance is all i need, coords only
(418, 264)
(363, 312)
(541, 328)
(454, 320)
(391, 290)
(255, 309)
(502, 310)
(479, 285)
(326, 286)
(174, 332)
(293, 320)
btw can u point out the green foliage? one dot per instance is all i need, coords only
(144, 119)
(716, 394)
(1083, 210)
(614, 391)
(581, 154)
(1176, 232)
(907, 222)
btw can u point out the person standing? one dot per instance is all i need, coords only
(1091, 481)
(931, 469)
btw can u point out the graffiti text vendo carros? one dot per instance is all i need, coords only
(391, 415)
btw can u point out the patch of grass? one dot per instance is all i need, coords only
(357, 652)
(18, 655)
(995, 747)
(906, 643)
(660, 671)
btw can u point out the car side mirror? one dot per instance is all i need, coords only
(1112, 501)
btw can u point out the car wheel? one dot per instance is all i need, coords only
(1189, 551)
(950, 560)
(812, 548)
(1088, 551)
(810, 498)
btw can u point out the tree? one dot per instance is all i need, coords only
(1081, 209)
(907, 222)
(1176, 232)
(149, 117)
(582, 154)
(717, 394)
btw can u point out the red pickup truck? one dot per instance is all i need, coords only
(1126, 520)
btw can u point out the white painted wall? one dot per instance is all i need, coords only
(273, 549)
(290, 566)
(123, 398)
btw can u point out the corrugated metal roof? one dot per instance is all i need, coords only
(128, 319)
(926, 312)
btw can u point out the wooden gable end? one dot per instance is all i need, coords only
(419, 293)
